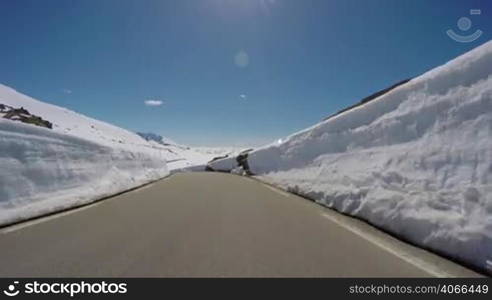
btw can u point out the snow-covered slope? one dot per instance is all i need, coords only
(43, 171)
(416, 161)
(78, 161)
(72, 123)
(218, 151)
(184, 157)
(202, 155)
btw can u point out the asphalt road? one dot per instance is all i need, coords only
(209, 224)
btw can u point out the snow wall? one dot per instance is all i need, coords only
(44, 171)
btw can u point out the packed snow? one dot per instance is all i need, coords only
(416, 161)
(43, 171)
(78, 161)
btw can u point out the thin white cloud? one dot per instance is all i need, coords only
(66, 91)
(241, 59)
(153, 102)
(243, 96)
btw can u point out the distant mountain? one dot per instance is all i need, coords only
(206, 151)
(149, 136)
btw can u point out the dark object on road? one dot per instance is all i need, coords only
(242, 161)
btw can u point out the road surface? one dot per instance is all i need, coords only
(209, 224)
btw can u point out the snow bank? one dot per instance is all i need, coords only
(224, 165)
(44, 171)
(78, 161)
(416, 161)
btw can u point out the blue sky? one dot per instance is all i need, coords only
(228, 72)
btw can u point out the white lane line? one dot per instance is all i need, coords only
(402, 253)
